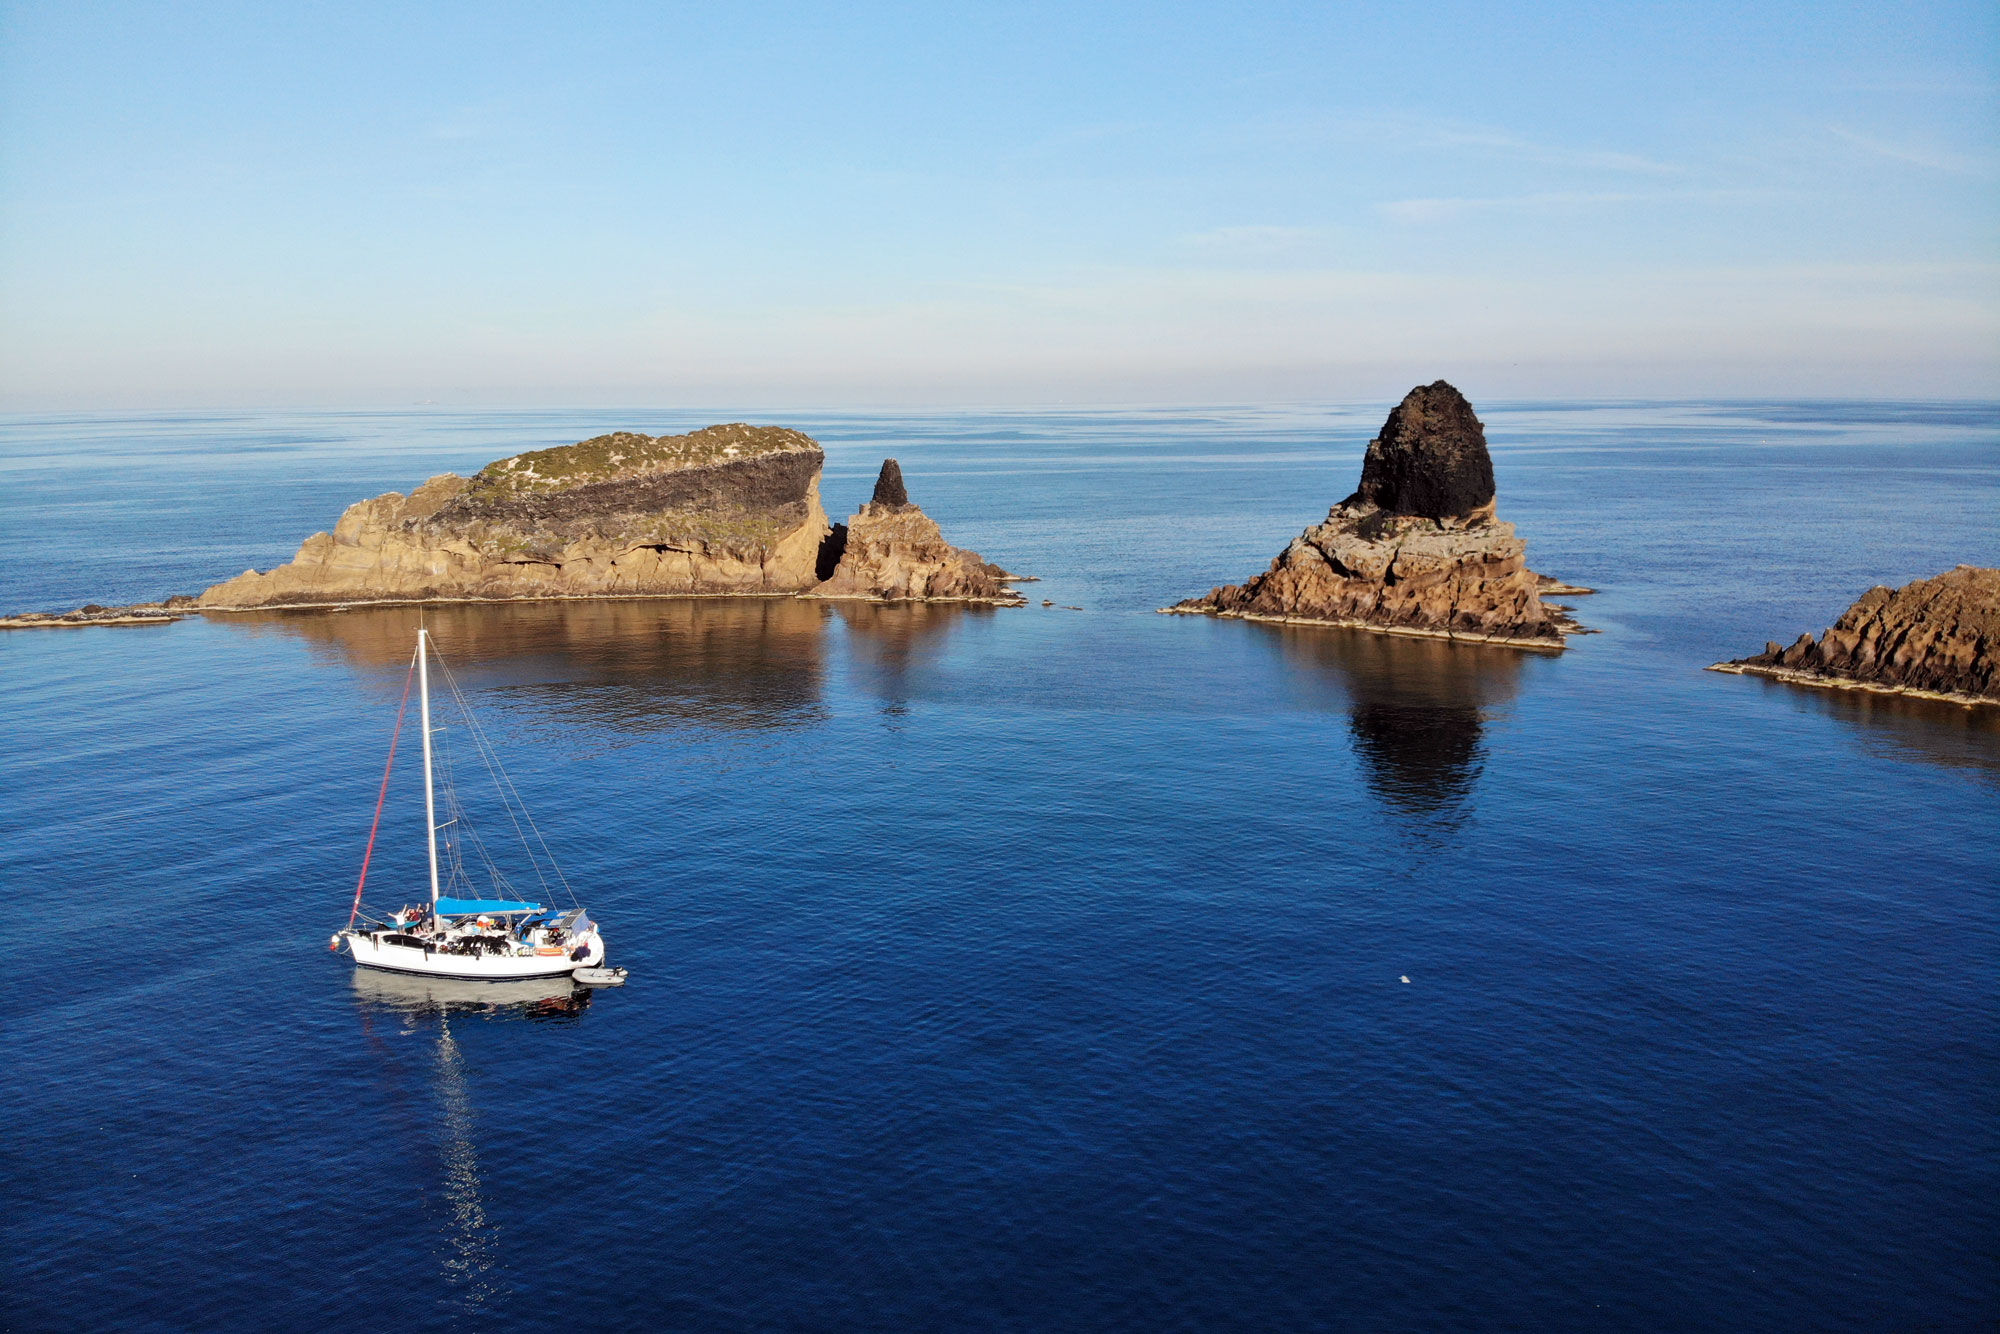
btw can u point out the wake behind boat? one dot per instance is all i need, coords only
(505, 938)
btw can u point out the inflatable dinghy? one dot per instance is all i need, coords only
(600, 977)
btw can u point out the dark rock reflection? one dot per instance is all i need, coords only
(1927, 731)
(892, 646)
(1417, 707)
(638, 664)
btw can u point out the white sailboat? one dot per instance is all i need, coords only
(501, 939)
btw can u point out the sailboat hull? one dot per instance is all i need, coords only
(394, 958)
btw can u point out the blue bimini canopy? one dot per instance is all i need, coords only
(483, 907)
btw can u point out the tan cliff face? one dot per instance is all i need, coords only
(1936, 637)
(727, 509)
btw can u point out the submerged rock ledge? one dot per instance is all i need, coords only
(1418, 549)
(149, 613)
(1936, 638)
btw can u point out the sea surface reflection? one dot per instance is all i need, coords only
(643, 664)
(893, 647)
(420, 1001)
(468, 1246)
(1417, 707)
(1952, 736)
(466, 1250)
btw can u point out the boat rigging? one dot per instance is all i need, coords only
(504, 938)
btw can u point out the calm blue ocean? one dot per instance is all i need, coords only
(1020, 969)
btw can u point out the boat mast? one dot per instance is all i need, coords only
(430, 801)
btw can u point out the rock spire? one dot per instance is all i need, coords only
(892, 551)
(1430, 459)
(889, 488)
(1416, 549)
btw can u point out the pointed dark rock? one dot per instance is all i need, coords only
(889, 486)
(1418, 548)
(1430, 459)
(891, 551)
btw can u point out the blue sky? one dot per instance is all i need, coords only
(751, 205)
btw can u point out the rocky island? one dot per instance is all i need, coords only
(1937, 638)
(726, 510)
(892, 551)
(1418, 548)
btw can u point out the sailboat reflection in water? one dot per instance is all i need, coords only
(467, 1241)
(415, 1001)
(502, 938)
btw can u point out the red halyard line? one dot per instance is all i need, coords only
(383, 795)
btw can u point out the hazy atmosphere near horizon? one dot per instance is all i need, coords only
(1022, 667)
(767, 205)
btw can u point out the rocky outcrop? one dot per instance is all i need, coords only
(1417, 549)
(150, 613)
(726, 509)
(1430, 460)
(892, 551)
(889, 488)
(1937, 637)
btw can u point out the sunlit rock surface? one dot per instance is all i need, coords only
(1417, 549)
(893, 551)
(726, 509)
(1938, 636)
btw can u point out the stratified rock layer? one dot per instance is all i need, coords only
(1416, 549)
(1937, 636)
(893, 551)
(727, 509)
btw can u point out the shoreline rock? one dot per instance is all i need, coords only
(1418, 548)
(140, 614)
(1540, 644)
(1936, 638)
(891, 551)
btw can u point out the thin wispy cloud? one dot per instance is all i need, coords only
(1491, 140)
(1257, 241)
(1447, 208)
(1936, 159)
(1410, 132)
